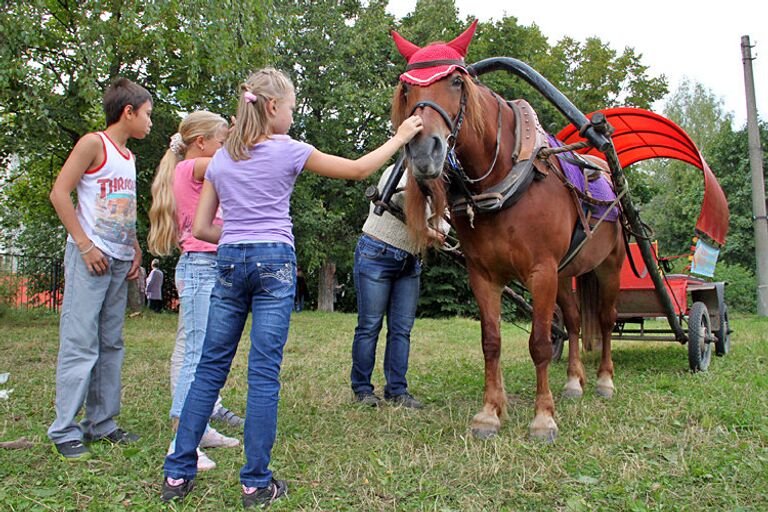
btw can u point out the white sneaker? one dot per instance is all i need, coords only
(204, 463)
(213, 439)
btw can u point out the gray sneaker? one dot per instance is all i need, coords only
(367, 399)
(227, 417)
(72, 451)
(405, 400)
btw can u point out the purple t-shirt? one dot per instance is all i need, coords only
(255, 194)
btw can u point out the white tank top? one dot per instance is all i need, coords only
(106, 202)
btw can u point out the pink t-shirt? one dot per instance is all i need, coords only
(187, 190)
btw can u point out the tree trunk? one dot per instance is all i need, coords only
(136, 287)
(325, 288)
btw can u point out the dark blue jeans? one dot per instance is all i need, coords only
(386, 282)
(260, 278)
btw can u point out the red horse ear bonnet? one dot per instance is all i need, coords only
(431, 63)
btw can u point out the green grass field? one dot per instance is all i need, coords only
(668, 440)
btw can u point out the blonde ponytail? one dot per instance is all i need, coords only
(163, 237)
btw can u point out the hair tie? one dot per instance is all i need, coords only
(250, 97)
(177, 144)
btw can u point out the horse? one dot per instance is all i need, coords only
(466, 126)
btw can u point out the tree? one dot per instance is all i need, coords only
(340, 57)
(58, 57)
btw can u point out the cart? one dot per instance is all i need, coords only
(641, 135)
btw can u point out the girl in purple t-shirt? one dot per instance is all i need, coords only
(252, 179)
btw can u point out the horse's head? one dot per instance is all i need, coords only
(437, 86)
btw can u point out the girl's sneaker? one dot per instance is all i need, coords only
(227, 417)
(204, 463)
(176, 489)
(214, 439)
(263, 497)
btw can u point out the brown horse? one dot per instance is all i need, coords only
(525, 242)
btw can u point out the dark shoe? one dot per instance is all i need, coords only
(117, 436)
(72, 451)
(227, 417)
(172, 492)
(405, 400)
(368, 399)
(265, 496)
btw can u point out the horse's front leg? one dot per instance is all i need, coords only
(487, 422)
(543, 286)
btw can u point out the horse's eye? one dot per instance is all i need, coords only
(457, 82)
(406, 88)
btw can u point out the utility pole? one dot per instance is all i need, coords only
(758, 185)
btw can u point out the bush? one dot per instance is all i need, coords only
(741, 292)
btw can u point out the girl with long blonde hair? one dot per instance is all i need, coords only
(252, 178)
(175, 194)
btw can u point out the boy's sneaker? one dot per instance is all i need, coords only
(227, 417)
(213, 439)
(264, 496)
(72, 451)
(405, 400)
(117, 436)
(178, 491)
(367, 399)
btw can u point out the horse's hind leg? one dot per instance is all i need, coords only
(608, 277)
(574, 386)
(487, 422)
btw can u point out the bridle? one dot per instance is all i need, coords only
(454, 125)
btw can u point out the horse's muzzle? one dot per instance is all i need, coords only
(426, 157)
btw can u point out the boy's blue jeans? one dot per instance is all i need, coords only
(260, 278)
(386, 282)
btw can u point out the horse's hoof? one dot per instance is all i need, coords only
(572, 393)
(546, 435)
(484, 433)
(604, 391)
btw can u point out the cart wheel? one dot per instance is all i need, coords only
(723, 344)
(699, 350)
(558, 342)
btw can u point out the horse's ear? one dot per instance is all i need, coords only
(404, 46)
(461, 43)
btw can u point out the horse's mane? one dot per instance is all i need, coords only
(416, 207)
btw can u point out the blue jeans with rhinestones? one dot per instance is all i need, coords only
(386, 282)
(255, 277)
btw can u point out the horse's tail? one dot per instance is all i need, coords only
(588, 293)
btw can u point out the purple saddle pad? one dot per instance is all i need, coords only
(599, 189)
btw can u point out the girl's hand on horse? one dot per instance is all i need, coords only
(408, 129)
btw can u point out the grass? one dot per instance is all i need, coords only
(669, 440)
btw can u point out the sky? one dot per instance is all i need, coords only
(677, 38)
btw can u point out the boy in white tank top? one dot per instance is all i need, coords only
(102, 253)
